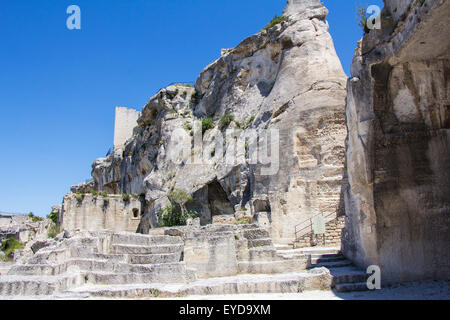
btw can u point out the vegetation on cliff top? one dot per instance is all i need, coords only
(276, 20)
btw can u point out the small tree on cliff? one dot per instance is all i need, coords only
(171, 215)
(180, 197)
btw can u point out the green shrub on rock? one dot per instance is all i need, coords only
(225, 121)
(9, 246)
(207, 124)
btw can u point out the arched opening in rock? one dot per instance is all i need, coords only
(218, 200)
(135, 213)
(211, 201)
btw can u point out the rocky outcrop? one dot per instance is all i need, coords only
(398, 148)
(279, 96)
(22, 228)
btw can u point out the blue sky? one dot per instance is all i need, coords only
(59, 87)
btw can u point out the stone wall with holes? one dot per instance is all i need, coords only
(94, 213)
(332, 236)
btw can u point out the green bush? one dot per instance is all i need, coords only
(53, 216)
(34, 218)
(196, 97)
(79, 197)
(239, 125)
(280, 111)
(176, 215)
(10, 245)
(276, 20)
(172, 216)
(207, 124)
(225, 121)
(243, 221)
(126, 197)
(187, 126)
(53, 231)
(250, 121)
(361, 12)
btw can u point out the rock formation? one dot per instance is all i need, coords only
(280, 97)
(398, 148)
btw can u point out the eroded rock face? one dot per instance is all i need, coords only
(286, 78)
(398, 149)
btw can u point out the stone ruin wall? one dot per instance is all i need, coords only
(92, 213)
(398, 148)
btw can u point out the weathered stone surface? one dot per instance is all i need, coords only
(287, 78)
(95, 212)
(398, 149)
(22, 228)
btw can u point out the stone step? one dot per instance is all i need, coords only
(203, 234)
(86, 265)
(262, 242)
(315, 259)
(155, 258)
(107, 278)
(290, 252)
(256, 234)
(113, 258)
(76, 242)
(348, 275)
(5, 267)
(320, 250)
(335, 264)
(349, 287)
(11, 286)
(350, 278)
(155, 249)
(261, 253)
(241, 284)
(271, 267)
(291, 256)
(283, 247)
(144, 240)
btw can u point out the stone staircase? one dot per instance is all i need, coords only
(98, 258)
(216, 259)
(345, 276)
(262, 257)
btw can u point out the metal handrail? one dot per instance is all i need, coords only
(309, 226)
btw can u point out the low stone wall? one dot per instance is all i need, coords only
(332, 235)
(94, 213)
(7, 220)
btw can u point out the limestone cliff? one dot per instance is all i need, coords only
(398, 148)
(283, 90)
